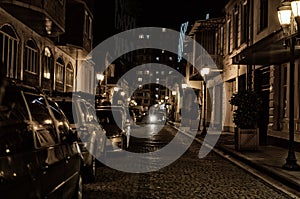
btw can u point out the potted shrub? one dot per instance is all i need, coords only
(245, 117)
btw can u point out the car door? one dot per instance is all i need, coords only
(68, 149)
(19, 176)
(50, 152)
(100, 134)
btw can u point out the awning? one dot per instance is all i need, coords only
(268, 51)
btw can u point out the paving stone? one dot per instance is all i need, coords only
(188, 177)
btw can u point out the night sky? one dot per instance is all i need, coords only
(154, 13)
(171, 14)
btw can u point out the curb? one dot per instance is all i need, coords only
(264, 169)
(258, 170)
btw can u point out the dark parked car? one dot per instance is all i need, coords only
(92, 137)
(116, 124)
(39, 157)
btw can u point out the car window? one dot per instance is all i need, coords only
(92, 113)
(45, 136)
(84, 111)
(66, 107)
(14, 135)
(13, 107)
(64, 126)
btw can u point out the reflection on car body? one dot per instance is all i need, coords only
(92, 138)
(38, 155)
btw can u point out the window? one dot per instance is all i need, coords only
(9, 50)
(245, 22)
(69, 75)
(229, 36)
(263, 14)
(284, 91)
(236, 27)
(47, 63)
(88, 25)
(221, 40)
(31, 57)
(60, 70)
(298, 91)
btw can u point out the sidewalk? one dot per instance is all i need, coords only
(267, 159)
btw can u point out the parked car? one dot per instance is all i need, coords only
(39, 156)
(91, 135)
(137, 113)
(117, 127)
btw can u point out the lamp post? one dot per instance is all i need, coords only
(287, 13)
(100, 78)
(204, 72)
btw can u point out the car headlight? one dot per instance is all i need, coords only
(153, 118)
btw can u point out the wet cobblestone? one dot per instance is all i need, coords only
(188, 177)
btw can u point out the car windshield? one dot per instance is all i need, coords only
(111, 117)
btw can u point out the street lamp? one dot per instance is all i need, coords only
(287, 12)
(100, 78)
(204, 72)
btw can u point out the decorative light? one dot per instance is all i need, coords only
(284, 15)
(48, 26)
(205, 71)
(296, 8)
(100, 77)
(296, 12)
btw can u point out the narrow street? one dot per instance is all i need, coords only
(188, 177)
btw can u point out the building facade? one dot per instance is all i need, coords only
(42, 45)
(256, 56)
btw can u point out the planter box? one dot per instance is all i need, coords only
(246, 139)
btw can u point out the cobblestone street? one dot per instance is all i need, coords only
(188, 177)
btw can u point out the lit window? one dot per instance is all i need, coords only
(47, 63)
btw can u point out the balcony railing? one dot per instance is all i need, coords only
(34, 12)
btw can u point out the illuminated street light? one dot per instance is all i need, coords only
(100, 77)
(287, 12)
